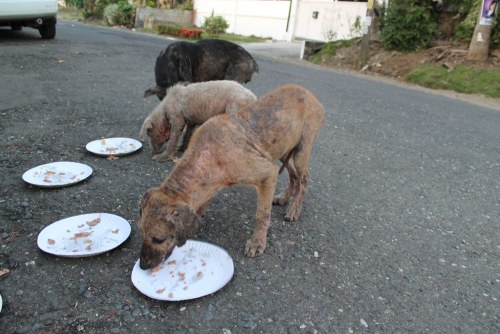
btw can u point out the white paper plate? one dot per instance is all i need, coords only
(191, 271)
(84, 235)
(113, 146)
(57, 174)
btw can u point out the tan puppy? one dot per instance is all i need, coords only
(232, 149)
(190, 106)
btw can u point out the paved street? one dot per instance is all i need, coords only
(399, 232)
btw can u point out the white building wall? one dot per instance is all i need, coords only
(261, 18)
(285, 19)
(335, 19)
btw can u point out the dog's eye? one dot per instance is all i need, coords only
(158, 241)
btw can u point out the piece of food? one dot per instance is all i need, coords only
(81, 235)
(160, 291)
(94, 222)
(51, 241)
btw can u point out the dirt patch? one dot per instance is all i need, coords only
(398, 65)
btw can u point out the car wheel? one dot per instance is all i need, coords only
(16, 27)
(48, 31)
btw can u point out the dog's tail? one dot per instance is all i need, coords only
(156, 90)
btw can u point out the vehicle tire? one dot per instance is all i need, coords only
(16, 27)
(48, 31)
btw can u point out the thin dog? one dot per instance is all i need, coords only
(188, 107)
(233, 149)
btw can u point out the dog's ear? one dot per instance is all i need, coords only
(146, 126)
(186, 222)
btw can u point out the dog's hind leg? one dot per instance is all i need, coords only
(285, 195)
(265, 185)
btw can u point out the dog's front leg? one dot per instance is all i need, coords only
(177, 126)
(265, 192)
(187, 136)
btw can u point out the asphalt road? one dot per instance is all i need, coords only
(399, 231)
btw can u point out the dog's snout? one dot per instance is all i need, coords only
(143, 265)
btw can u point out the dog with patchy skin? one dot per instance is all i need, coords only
(235, 149)
(188, 106)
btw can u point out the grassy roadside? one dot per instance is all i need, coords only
(462, 79)
(73, 14)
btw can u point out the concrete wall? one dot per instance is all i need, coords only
(285, 20)
(173, 16)
(334, 19)
(247, 17)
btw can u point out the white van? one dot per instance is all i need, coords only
(37, 14)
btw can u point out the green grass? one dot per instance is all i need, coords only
(239, 38)
(462, 79)
(330, 49)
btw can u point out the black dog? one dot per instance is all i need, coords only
(205, 60)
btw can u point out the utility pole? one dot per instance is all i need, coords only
(367, 29)
(479, 46)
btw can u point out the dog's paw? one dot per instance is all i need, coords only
(293, 213)
(280, 200)
(160, 158)
(253, 249)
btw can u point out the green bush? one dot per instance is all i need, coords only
(118, 14)
(215, 25)
(169, 30)
(408, 25)
(111, 14)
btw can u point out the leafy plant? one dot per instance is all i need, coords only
(111, 14)
(408, 25)
(187, 5)
(330, 49)
(118, 14)
(215, 25)
(170, 30)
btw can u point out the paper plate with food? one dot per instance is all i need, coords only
(84, 235)
(194, 270)
(113, 146)
(57, 174)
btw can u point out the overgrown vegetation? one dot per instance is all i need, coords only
(408, 25)
(215, 25)
(119, 14)
(330, 49)
(461, 79)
